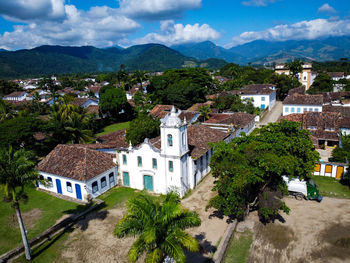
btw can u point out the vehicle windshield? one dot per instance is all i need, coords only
(312, 182)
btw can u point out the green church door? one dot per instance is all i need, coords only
(148, 182)
(126, 179)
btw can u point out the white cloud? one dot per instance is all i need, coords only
(173, 34)
(258, 2)
(100, 26)
(326, 8)
(302, 30)
(157, 9)
(21, 10)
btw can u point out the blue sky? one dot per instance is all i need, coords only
(103, 23)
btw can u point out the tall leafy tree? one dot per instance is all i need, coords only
(112, 102)
(159, 224)
(248, 170)
(142, 127)
(295, 67)
(17, 170)
(322, 83)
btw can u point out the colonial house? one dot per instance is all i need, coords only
(306, 77)
(84, 102)
(262, 95)
(16, 96)
(336, 76)
(177, 159)
(234, 123)
(324, 126)
(160, 111)
(78, 172)
(298, 103)
(96, 90)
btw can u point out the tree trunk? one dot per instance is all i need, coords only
(23, 233)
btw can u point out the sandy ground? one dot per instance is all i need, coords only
(312, 232)
(93, 241)
(210, 232)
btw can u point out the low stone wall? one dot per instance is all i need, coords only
(46, 235)
(220, 252)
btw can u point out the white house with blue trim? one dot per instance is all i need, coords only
(78, 172)
(262, 95)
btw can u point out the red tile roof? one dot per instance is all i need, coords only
(92, 109)
(258, 89)
(199, 136)
(114, 140)
(15, 94)
(160, 111)
(95, 89)
(76, 162)
(240, 119)
(298, 99)
(336, 74)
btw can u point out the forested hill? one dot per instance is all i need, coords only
(47, 60)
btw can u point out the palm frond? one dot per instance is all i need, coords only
(155, 256)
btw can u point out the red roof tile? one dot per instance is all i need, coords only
(76, 162)
(298, 99)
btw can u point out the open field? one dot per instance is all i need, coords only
(39, 213)
(113, 128)
(312, 232)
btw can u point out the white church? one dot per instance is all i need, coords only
(178, 159)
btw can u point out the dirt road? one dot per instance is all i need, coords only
(210, 232)
(273, 115)
(312, 232)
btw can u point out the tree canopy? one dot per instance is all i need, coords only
(249, 169)
(322, 83)
(142, 127)
(113, 101)
(182, 87)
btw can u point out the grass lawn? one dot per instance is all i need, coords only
(331, 187)
(51, 251)
(39, 213)
(117, 196)
(113, 128)
(238, 248)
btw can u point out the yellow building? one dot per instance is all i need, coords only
(306, 77)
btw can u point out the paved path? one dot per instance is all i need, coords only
(273, 115)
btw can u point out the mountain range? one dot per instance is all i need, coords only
(262, 51)
(47, 60)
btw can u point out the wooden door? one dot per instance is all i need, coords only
(340, 171)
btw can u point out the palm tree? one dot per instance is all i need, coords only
(16, 171)
(69, 124)
(6, 111)
(159, 224)
(204, 112)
